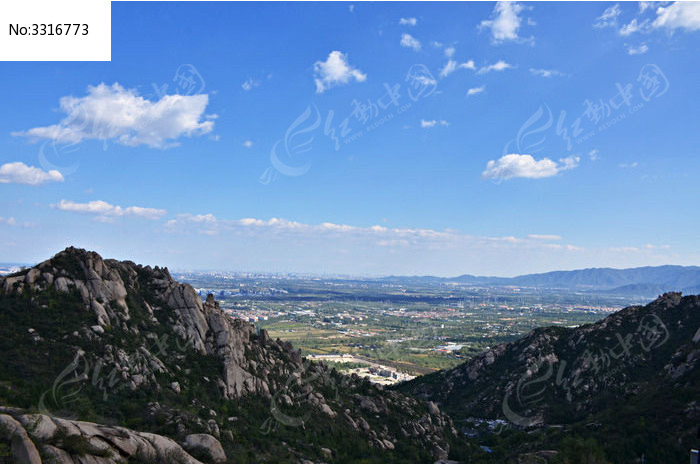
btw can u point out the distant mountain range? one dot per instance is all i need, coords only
(646, 280)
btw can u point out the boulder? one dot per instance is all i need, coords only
(202, 441)
(40, 426)
(433, 409)
(56, 455)
(22, 448)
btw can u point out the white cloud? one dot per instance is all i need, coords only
(500, 65)
(594, 154)
(451, 66)
(629, 165)
(408, 41)
(436, 44)
(351, 8)
(643, 6)
(608, 18)
(505, 22)
(197, 218)
(546, 72)
(425, 80)
(644, 249)
(249, 84)
(570, 162)
(449, 51)
(433, 123)
(105, 211)
(335, 71)
(248, 144)
(475, 90)
(546, 237)
(408, 21)
(516, 165)
(214, 225)
(20, 173)
(9, 221)
(638, 50)
(328, 238)
(634, 26)
(115, 113)
(678, 15)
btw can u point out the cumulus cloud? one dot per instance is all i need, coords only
(115, 113)
(678, 15)
(427, 124)
(638, 50)
(408, 21)
(500, 65)
(408, 41)
(449, 51)
(516, 165)
(475, 90)
(673, 16)
(608, 18)
(20, 173)
(451, 66)
(336, 70)
(104, 210)
(9, 221)
(546, 72)
(505, 22)
(594, 154)
(248, 144)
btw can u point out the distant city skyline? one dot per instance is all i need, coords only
(493, 139)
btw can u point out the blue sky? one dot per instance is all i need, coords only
(366, 138)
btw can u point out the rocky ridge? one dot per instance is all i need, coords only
(154, 337)
(634, 368)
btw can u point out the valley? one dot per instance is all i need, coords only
(107, 361)
(408, 327)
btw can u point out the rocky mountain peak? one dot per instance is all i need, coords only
(133, 328)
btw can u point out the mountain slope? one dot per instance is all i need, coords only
(668, 278)
(125, 345)
(630, 381)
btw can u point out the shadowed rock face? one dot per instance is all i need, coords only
(640, 365)
(133, 328)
